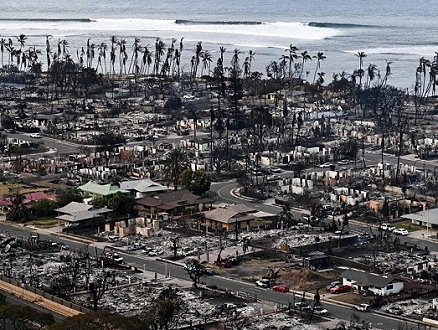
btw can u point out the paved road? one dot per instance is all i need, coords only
(176, 271)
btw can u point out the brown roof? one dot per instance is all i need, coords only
(170, 200)
(226, 215)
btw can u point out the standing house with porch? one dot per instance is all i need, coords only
(82, 215)
(381, 285)
(172, 202)
(94, 189)
(229, 219)
(143, 188)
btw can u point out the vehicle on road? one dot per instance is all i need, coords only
(263, 283)
(328, 164)
(401, 231)
(395, 310)
(320, 311)
(386, 227)
(35, 135)
(363, 308)
(343, 162)
(209, 271)
(340, 289)
(302, 305)
(273, 177)
(333, 285)
(63, 246)
(280, 288)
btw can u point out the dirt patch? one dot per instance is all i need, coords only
(8, 188)
(351, 298)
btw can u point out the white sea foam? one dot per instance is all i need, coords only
(399, 51)
(290, 30)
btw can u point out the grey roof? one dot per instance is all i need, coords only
(84, 215)
(368, 279)
(143, 186)
(74, 207)
(430, 216)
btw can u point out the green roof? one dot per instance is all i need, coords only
(102, 190)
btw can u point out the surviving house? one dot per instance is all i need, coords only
(94, 189)
(143, 188)
(82, 215)
(172, 202)
(381, 285)
(28, 200)
(229, 219)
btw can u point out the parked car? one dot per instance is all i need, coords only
(302, 305)
(281, 288)
(395, 310)
(386, 227)
(340, 289)
(343, 162)
(209, 271)
(328, 164)
(35, 135)
(363, 308)
(63, 246)
(320, 311)
(401, 231)
(333, 285)
(263, 283)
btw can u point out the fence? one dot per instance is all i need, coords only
(41, 293)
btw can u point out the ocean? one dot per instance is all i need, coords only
(400, 32)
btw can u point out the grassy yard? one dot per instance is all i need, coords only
(406, 224)
(48, 222)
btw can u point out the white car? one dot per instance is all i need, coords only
(401, 231)
(363, 308)
(35, 135)
(263, 283)
(386, 227)
(326, 165)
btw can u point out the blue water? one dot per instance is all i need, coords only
(396, 31)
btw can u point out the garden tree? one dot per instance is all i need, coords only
(165, 311)
(66, 196)
(218, 158)
(259, 122)
(98, 321)
(122, 203)
(195, 271)
(108, 141)
(174, 165)
(244, 180)
(43, 207)
(98, 287)
(197, 182)
(24, 317)
(286, 215)
(18, 212)
(173, 103)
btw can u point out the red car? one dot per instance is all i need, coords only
(340, 289)
(280, 288)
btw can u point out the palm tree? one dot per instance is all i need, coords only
(292, 56)
(319, 57)
(114, 42)
(2, 47)
(361, 56)
(304, 58)
(372, 72)
(286, 215)
(21, 40)
(102, 48)
(198, 54)
(206, 60)
(174, 165)
(48, 51)
(159, 51)
(18, 211)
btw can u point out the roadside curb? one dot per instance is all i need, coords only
(176, 263)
